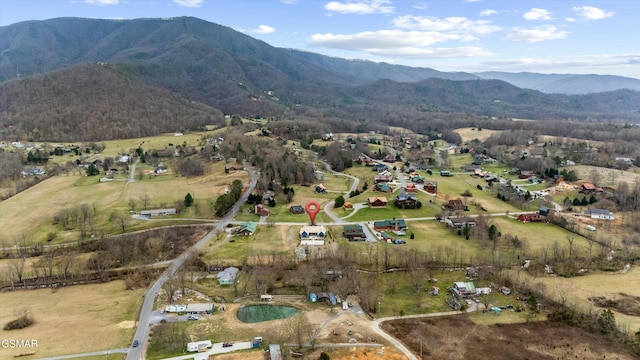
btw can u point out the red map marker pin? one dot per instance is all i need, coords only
(312, 209)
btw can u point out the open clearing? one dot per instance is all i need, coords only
(30, 213)
(74, 319)
(473, 133)
(457, 337)
(579, 289)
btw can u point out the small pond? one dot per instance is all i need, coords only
(259, 313)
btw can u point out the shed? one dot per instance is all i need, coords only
(544, 210)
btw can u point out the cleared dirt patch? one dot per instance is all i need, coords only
(457, 337)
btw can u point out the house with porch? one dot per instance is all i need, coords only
(245, 229)
(382, 187)
(459, 223)
(312, 235)
(600, 214)
(454, 205)
(377, 202)
(407, 201)
(431, 187)
(394, 224)
(463, 289)
(354, 232)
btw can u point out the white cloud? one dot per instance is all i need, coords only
(360, 7)
(420, 6)
(263, 29)
(399, 44)
(536, 34)
(289, 2)
(450, 24)
(432, 53)
(537, 14)
(381, 39)
(488, 12)
(102, 2)
(189, 3)
(472, 1)
(591, 13)
(571, 19)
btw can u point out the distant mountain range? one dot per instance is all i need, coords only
(565, 83)
(224, 69)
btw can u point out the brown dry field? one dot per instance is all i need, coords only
(579, 289)
(473, 133)
(457, 337)
(608, 177)
(74, 319)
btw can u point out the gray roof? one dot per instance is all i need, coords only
(229, 273)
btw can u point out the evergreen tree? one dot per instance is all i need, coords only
(339, 202)
(92, 170)
(188, 200)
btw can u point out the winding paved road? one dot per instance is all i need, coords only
(144, 318)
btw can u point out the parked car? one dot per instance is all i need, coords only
(399, 241)
(135, 343)
(227, 344)
(193, 317)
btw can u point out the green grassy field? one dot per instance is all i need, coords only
(30, 213)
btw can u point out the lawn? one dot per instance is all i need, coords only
(44, 200)
(540, 235)
(266, 241)
(74, 319)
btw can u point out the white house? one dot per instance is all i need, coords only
(463, 289)
(600, 214)
(312, 235)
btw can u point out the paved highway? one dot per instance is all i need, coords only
(144, 318)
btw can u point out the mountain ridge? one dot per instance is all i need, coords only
(223, 69)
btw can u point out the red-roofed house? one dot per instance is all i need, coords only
(588, 188)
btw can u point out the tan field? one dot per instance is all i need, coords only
(578, 289)
(73, 319)
(473, 133)
(607, 177)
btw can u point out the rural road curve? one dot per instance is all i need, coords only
(144, 318)
(329, 205)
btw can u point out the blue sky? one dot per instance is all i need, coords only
(546, 36)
